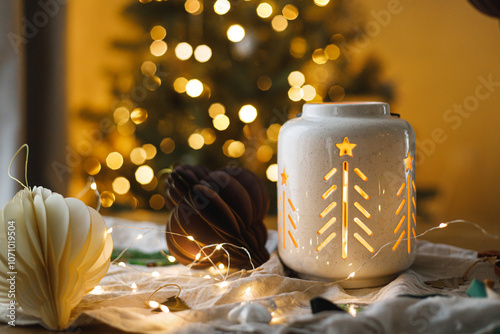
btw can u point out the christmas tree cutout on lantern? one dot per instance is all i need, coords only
(283, 201)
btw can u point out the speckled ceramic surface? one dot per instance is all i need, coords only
(346, 187)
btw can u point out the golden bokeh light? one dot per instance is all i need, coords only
(319, 56)
(167, 145)
(290, 12)
(221, 7)
(264, 82)
(332, 51)
(264, 10)
(151, 185)
(114, 160)
(138, 156)
(272, 172)
(273, 131)
(279, 23)
(121, 115)
(138, 115)
(148, 68)
(226, 146)
(144, 174)
(247, 113)
(121, 185)
(296, 78)
(194, 7)
(298, 47)
(157, 202)
(295, 93)
(150, 150)
(221, 122)
(208, 136)
(196, 141)
(203, 53)
(264, 153)
(158, 48)
(158, 33)
(309, 93)
(236, 149)
(126, 129)
(216, 109)
(194, 88)
(336, 93)
(92, 166)
(107, 199)
(235, 33)
(321, 3)
(180, 84)
(183, 51)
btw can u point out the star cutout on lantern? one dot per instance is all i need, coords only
(284, 176)
(408, 161)
(345, 147)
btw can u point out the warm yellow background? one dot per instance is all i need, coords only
(434, 51)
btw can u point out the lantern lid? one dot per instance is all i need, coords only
(345, 109)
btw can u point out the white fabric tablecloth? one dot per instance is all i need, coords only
(287, 297)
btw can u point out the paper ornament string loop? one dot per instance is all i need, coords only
(25, 166)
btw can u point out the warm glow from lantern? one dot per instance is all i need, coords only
(196, 141)
(216, 109)
(247, 113)
(272, 173)
(290, 12)
(121, 185)
(180, 84)
(183, 51)
(279, 23)
(264, 10)
(202, 53)
(167, 145)
(114, 160)
(194, 88)
(221, 7)
(138, 156)
(158, 48)
(221, 122)
(235, 33)
(158, 33)
(296, 78)
(321, 3)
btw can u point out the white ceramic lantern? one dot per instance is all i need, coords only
(346, 187)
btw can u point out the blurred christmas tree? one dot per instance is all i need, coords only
(215, 81)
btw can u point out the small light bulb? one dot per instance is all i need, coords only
(164, 308)
(171, 258)
(221, 266)
(98, 290)
(153, 304)
(139, 236)
(219, 246)
(93, 186)
(443, 225)
(155, 274)
(197, 257)
(207, 277)
(110, 230)
(190, 238)
(352, 310)
(223, 284)
(351, 275)
(122, 264)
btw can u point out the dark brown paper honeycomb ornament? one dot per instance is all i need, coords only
(214, 207)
